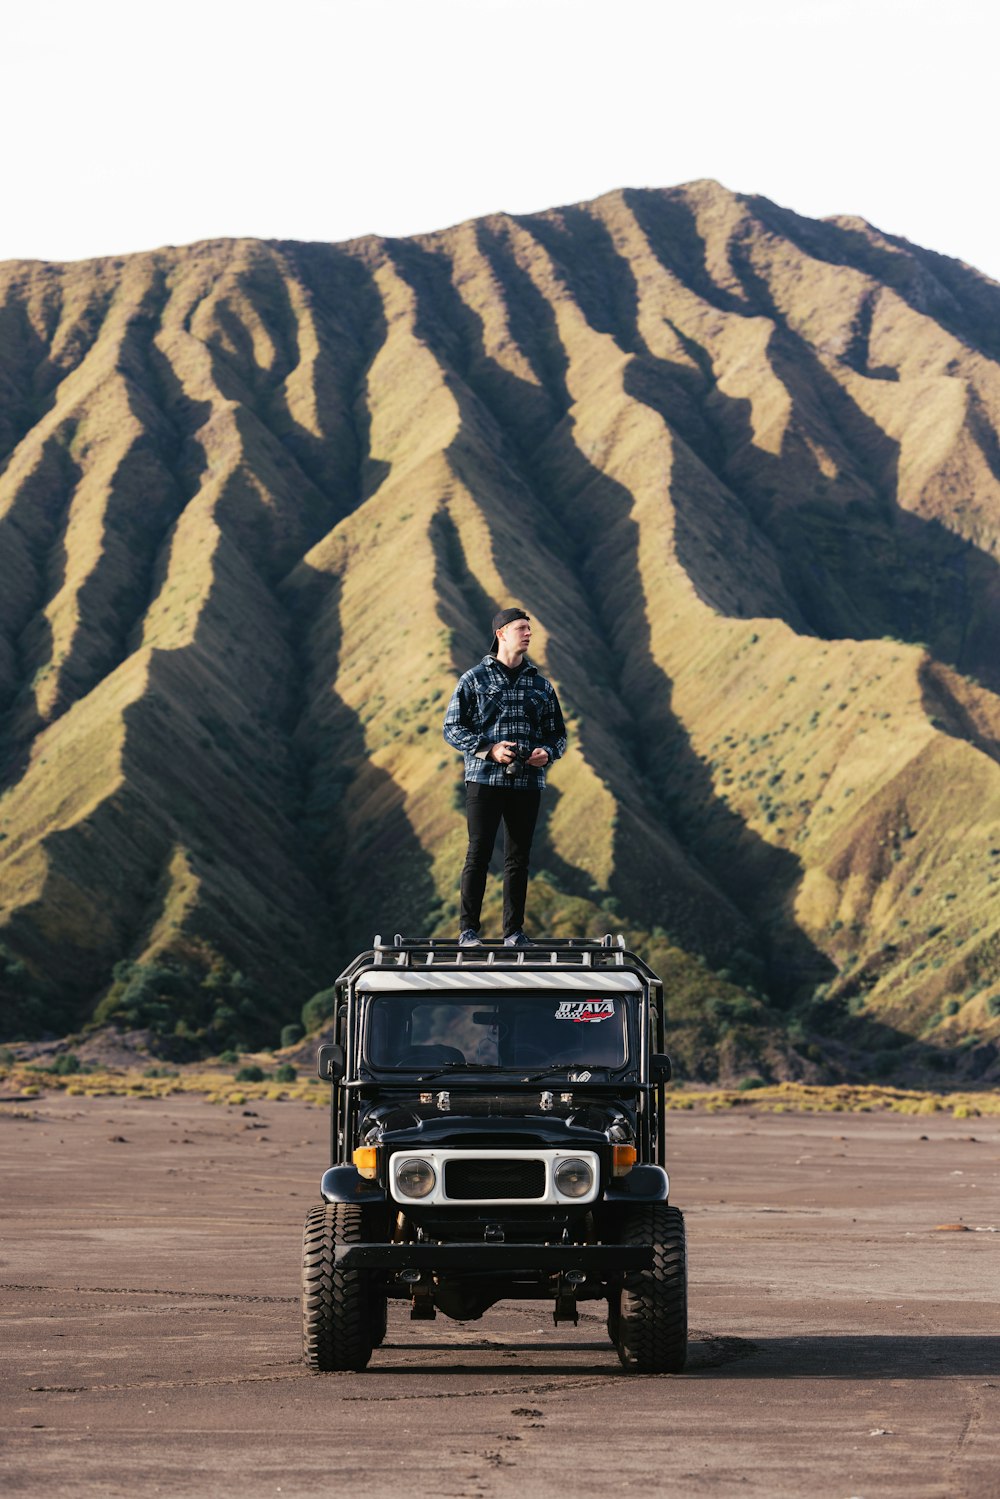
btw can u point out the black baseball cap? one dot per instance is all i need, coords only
(505, 617)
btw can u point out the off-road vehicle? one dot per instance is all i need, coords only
(497, 1130)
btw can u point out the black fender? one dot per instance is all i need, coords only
(346, 1184)
(641, 1184)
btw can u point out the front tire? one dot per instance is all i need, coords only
(652, 1319)
(337, 1331)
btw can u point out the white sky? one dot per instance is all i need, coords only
(128, 125)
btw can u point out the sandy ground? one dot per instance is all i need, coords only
(844, 1345)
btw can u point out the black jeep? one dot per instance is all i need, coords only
(497, 1129)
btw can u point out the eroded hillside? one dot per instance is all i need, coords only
(259, 501)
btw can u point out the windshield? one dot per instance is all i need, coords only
(421, 1032)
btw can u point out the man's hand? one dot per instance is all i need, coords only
(504, 752)
(538, 758)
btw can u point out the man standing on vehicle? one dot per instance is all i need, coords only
(505, 718)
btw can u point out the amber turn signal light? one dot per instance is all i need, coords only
(622, 1159)
(366, 1160)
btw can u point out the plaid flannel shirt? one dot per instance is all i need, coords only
(487, 706)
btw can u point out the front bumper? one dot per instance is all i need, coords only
(527, 1260)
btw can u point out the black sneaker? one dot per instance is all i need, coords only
(517, 939)
(469, 938)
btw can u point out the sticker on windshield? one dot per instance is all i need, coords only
(583, 1010)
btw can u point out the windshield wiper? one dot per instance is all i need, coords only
(427, 1077)
(560, 1068)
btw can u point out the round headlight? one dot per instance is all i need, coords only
(573, 1177)
(414, 1177)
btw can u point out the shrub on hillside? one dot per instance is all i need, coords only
(318, 1010)
(26, 1005)
(15, 973)
(250, 1074)
(64, 1065)
(290, 1034)
(195, 1001)
(145, 996)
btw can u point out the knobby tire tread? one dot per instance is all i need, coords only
(652, 1323)
(336, 1306)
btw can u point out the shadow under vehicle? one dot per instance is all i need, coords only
(497, 1130)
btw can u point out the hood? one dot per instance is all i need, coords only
(493, 1119)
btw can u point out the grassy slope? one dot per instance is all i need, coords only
(742, 468)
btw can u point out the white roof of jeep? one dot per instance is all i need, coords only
(376, 981)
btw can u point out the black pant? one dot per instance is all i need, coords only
(484, 807)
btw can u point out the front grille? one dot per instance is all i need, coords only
(466, 1180)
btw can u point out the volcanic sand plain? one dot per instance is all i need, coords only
(845, 1340)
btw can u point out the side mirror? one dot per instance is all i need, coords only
(330, 1063)
(660, 1070)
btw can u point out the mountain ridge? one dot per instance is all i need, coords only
(716, 463)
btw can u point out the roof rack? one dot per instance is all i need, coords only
(556, 952)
